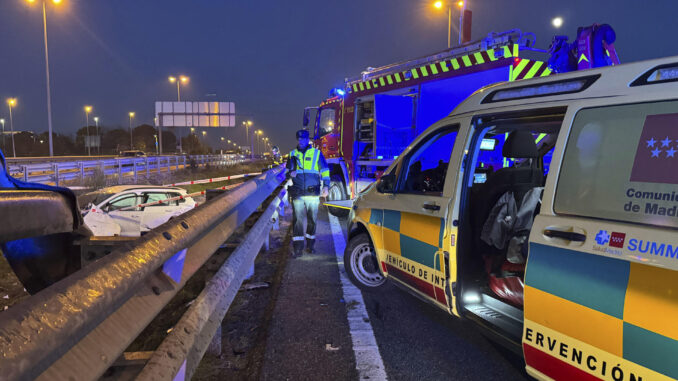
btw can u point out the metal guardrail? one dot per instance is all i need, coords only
(78, 327)
(57, 172)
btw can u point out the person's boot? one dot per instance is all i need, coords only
(297, 249)
(310, 243)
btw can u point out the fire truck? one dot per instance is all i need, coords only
(364, 125)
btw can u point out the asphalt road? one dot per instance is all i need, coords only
(416, 341)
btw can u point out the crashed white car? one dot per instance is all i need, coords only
(114, 210)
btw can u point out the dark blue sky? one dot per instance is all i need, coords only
(271, 58)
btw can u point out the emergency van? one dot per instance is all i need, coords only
(546, 212)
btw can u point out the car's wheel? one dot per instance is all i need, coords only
(337, 192)
(361, 264)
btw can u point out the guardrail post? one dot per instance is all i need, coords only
(81, 166)
(148, 173)
(24, 169)
(134, 161)
(119, 171)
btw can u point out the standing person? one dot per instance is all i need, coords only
(277, 160)
(307, 168)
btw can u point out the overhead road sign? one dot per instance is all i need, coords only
(195, 114)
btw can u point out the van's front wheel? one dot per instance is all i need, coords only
(361, 264)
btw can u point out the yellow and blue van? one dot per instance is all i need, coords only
(546, 212)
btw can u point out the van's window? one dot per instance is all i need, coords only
(326, 124)
(155, 197)
(425, 168)
(124, 201)
(621, 164)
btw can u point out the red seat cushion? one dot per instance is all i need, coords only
(509, 289)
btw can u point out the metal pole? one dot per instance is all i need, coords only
(461, 22)
(181, 148)
(89, 152)
(449, 27)
(11, 126)
(131, 143)
(96, 121)
(2, 121)
(49, 97)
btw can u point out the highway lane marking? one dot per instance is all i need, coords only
(368, 360)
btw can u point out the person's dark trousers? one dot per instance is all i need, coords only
(306, 206)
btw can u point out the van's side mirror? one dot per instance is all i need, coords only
(386, 183)
(307, 116)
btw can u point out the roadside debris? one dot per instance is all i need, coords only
(329, 347)
(255, 286)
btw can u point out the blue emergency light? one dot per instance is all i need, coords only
(337, 92)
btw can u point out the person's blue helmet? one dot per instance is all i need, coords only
(302, 134)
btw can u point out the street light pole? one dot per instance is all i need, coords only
(461, 21)
(2, 121)
(49, 92)
(88, 143)
(449, 27)
(96, 121)
(11, 102)
(462, 5)
(178, 79)
(131, 142)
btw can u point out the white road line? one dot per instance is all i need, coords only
(367, 358)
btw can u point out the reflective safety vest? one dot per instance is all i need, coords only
(311, 167)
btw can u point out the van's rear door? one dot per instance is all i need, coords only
(601, 284)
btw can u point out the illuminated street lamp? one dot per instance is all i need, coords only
(258, 133)
(88, 143)
(461, 5)
(131, 142)
(49, 97)
(179, 80)
(96, 122)
(11, 102)
(247, 125)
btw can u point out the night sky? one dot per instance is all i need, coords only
(271, 58)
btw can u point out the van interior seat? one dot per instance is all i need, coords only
(517, 179)
(505, 278)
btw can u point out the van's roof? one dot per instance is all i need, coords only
(612, 81)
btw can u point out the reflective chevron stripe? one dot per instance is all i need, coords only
(520, 70)
(525, 69)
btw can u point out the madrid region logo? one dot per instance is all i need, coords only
(615, 239)
(603, 237)
(657, 151)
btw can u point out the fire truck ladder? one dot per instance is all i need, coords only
(492, 41)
